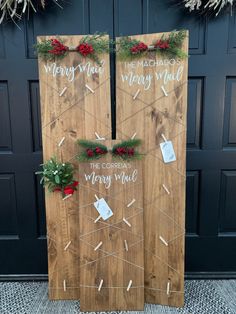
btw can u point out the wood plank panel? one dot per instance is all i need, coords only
(150, 115)
(77, 113)
(113, 262)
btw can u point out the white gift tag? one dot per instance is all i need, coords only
(168, 152)
(103, 209)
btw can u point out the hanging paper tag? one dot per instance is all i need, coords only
(103, 209)
(167, 151)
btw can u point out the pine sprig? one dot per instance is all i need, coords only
(90, 150)
(45, 48)
(172, 46)
(126, 150)
(57, 176)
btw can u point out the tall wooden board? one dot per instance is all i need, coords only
(69, 111)
(111, 250)
(151, 115)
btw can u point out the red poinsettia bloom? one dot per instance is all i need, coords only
(99, 150)
(58, 48)
(130, 152)
(120, 150)
(140, 47)
(85, 49)
(90, 152)
(75, 183)
(162, 44)
(68, 190)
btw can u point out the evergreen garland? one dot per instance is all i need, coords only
(91, 150)
(127, 149)
(95, 150)
(58, 176)
(169, 45)
(90, 46)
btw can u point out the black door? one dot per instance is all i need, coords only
(211, 156)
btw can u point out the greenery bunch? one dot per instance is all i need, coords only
(127, 149)
(57, 176)
(91, 150)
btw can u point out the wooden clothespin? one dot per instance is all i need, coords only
(63, 91)
(89, 88)
(100, 285)
(163, 240)
(67, 196)
(98, 137)
(126, 245)
(68, 244)
(97, 219)
(133, 136)
(163, 136)
(166, 189)
(131, 203)
(96, 197)
(168, 287)
(164, 91)
(127, 223)
(64, 285)
(98, 246)
(61, 141)
(129, 285)
(136, 94)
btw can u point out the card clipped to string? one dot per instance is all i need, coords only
(168, 152)
(103, 208)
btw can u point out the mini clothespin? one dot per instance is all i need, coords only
(64, 285)
(136, 94)
(68, 244)
(89, 88)
(67, 196)
(98, 246)
(63, 91)
(165, 188)
(132, 202)
(168, 287)
(163, 136)
(96, 197)
(127, 223)
(61, 141)
(133, 136)
(126, 245)
(164, 91)
(98, 137)
(129, 285)
(97, 219)
(163, 240)
(100, 285)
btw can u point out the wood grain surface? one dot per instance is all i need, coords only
(77, 113)
(112, 262)
(150, 115)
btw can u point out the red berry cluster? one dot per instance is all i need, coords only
(58, 48)
(140, 47)
(162, 44)
(94, 152)
(121, 151)
(69, 189)
(85, 49)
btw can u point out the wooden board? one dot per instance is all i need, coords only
(78, 113)
(111, 263)
(150, 115)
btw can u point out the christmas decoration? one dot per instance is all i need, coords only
(127, 149)
(169, 45)
(94, 150)
(208, 6)
(58, 176)
(91, 150)
(15, 9)
(90, 46)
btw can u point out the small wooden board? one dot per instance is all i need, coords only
(115, 262)
(150, 115)
(72, 114)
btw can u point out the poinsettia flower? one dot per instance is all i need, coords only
(90, 152)
(140, 47)
(75, 183)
